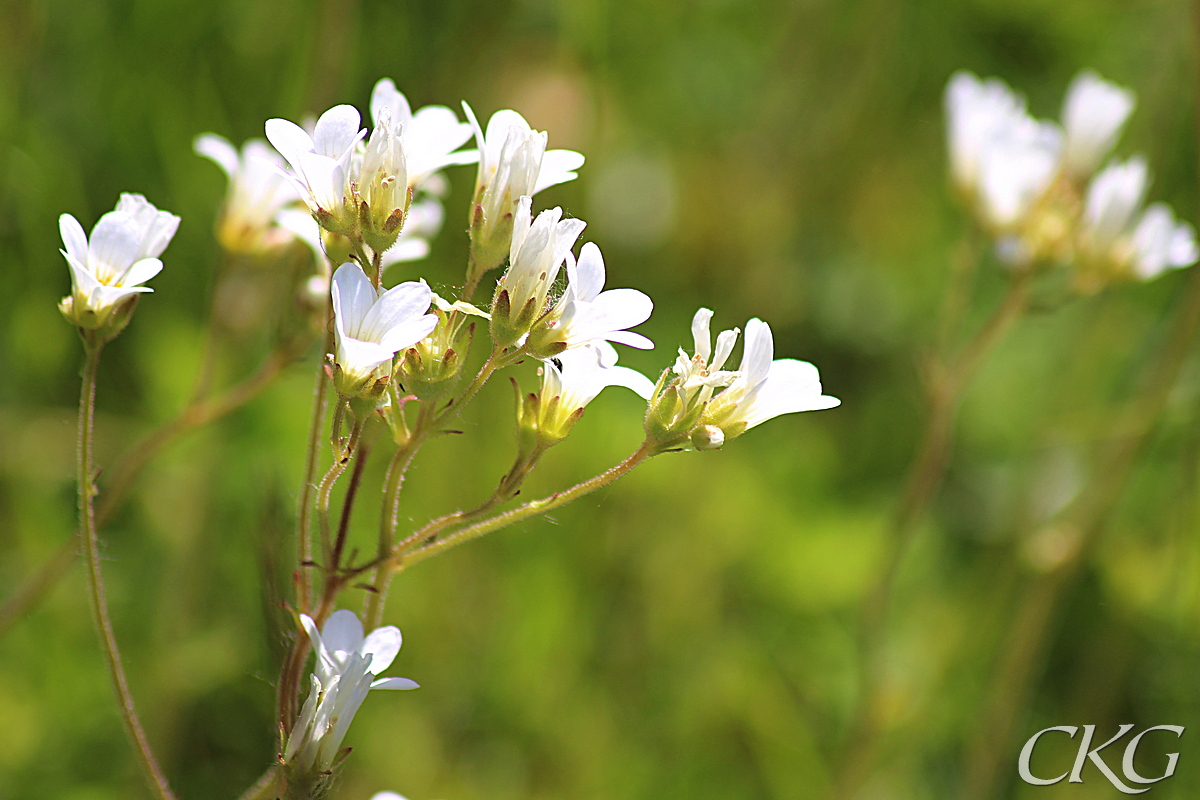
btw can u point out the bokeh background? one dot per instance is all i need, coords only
(691, 631)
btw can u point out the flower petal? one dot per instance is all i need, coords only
(343, 631)
(382, 645)
(74, 239)
(395, 683)
(218, 150)
(353, 297)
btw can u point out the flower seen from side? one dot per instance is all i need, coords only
(700, 403)
(586, 314)
(537, 252)
(257, 193)
(513, 162)
(347, 663)
(371, 326)
(110, 267)
(321, 164)
(430, 136)
(1094, 113)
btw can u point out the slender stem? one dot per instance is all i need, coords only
(325, 492)
(312, 453)
(87, 407)
(946, 388)
(530, 509)
(473, 278)
(1086, 518)
(389, 517)
(339, 542)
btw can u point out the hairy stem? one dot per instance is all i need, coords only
(87, 525)
(436, 545)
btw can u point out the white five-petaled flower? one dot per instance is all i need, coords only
(121, 255)
(321, 162)
(345, 670)
(1093, 114)
(372, 326)
(257, 192)
(1114, 236)
(1003, 159)
(536, 254)
(585, 313)
(430, 136)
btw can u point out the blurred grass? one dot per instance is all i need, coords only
(690, 632)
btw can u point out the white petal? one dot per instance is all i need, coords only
(382, 645)
(74, 239)
(114, 245)
(218, 150)
(289, 139)
(1093, 114)
(558, 166)
(337, 131)
(396, 306)
(630, 379)
(353, 296)
(395, 683)
(589, 277)
(409, 333)
(701, 338)
(405, 249)
(142, 271)
(343, 631)
(759, 350)
(790, 386)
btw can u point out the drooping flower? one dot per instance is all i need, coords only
(257, 193)
(537, 252)
(586, 314)
(430, 136)
(111, 266)
(706, 404)
(370, 326)
(513, 162)
(569, 382)
(346, 667)
(321, 163)
(1094, 113)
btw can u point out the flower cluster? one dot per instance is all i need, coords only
(1034, 185)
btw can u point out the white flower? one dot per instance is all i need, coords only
(572, 380)
(536, 253)
(381, 178)
(371, 326)
(388, 796)
(1093, 114)
(763, 388)
(257, 192)
(429, 136)
(1160, 243)
(321, 162)
(1001, 158)
(1112, 234)
(513, 162)
(121, 255)
(586, 314)
(345, 670)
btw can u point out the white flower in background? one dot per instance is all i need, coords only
(765, 387)
(536, 253)
(388, 796)
(345, 670)
(572, 380)
(1116, 236)
(371, 326)
(121, 255)
(1003, 159)
(430, 136)
(257, 192)
(587, 314)
(513, 162)
(1094, 113)
(321, 163)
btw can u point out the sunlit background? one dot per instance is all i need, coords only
(691, 631)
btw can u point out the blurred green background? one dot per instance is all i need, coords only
(690, 632)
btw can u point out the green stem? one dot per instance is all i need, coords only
(946, 388)
(87, 407)
(325, 491)
(312, 453)
(530, 509)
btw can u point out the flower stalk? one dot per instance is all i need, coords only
(93, 344)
